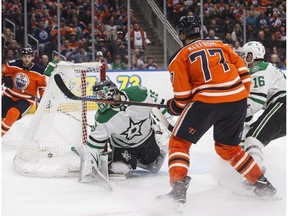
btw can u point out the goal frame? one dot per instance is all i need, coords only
(41, 153)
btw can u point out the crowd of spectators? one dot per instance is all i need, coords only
(224, 20)
(110, 31)
(265, 21)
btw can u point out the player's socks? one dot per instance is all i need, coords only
(240, 160)
(179, 158)
(5, 129)
(11, 117)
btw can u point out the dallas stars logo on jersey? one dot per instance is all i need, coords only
(126, 155)
(134, 129)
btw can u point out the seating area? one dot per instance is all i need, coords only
(265, 22)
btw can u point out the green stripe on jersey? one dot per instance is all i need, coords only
(259, 67)
(266, 119)
(256, 100)
(95, 147)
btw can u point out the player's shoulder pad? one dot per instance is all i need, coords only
(38, 69)
(136, 93)
(173, 56)
(105, 116)
(261, 66)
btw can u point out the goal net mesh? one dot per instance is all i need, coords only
(59, 124)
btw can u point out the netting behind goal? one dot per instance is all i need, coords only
(59, 124)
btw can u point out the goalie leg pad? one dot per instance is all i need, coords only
(89, 160)
(156, 165)
(119, 168)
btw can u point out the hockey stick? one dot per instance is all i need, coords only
(73, 117)
(60, 83)
(27, 93)
(160, 117)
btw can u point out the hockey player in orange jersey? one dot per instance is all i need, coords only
(19, 76)
(211, 84)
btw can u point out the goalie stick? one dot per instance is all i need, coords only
(73, 117)
(60, 83)
(160, 117)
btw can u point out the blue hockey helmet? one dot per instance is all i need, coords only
(27, 51)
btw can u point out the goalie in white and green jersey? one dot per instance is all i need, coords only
(130, 130)
(268, 92)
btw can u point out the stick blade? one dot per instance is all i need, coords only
(61, 85)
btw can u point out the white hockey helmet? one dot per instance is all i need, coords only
(105, 90)
(255, 48)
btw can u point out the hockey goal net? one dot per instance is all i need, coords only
(60, 124)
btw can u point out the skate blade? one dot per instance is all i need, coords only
(178, 207)
(251, 195)
(162, 197)
(275, 197)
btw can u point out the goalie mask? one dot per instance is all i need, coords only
(188, 26)
(105, 90)
(252, 50)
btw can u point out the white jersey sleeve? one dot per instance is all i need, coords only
(267, 85)
(98, 137)
(154, 98)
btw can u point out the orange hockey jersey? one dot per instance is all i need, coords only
(208, 71)
(32, 80)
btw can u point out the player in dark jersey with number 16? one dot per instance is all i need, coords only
(211, 84)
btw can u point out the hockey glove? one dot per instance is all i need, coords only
(172, 108)
(8, 82)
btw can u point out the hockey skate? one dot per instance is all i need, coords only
(249, 186)
(178, 193)
(179, 190)
(156, 165)
(264, 188)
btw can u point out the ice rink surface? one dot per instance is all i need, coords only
(213, 191)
